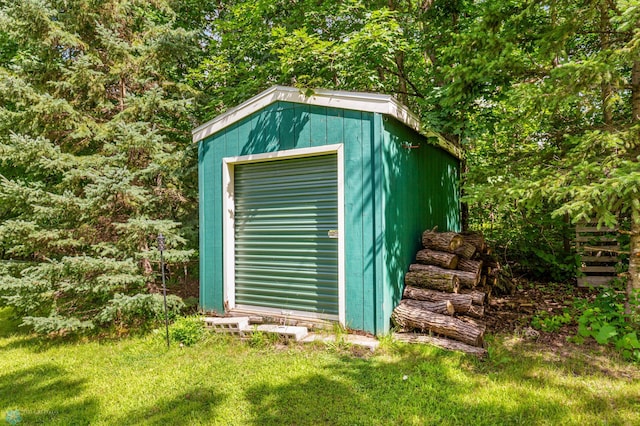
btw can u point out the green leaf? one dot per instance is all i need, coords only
(605, 333)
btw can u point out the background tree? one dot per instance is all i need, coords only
(564, 135)
(94, 157)
(98, 98)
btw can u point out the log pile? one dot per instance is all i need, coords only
(447, 289)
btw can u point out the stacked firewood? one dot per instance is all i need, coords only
(446, 290)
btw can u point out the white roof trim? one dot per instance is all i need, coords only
(360, 101)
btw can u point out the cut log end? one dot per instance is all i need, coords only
(437, 258)
(461, 302)
(433, 280)
(443, 307)
(466, 251)
(442, 241)
(467, 279)
(407, 317)
(478, 297)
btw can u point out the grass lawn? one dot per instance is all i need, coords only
(224, 381)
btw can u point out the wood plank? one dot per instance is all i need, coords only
(286, 128)
(318, 126)
(610, 249)
(597, 239)
(356, 211)
(582, 229)
(602, 259)
(213, 229)
(303, 126)
(595, 281)
(598, 269)
(363, 218)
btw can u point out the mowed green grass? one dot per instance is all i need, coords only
(225, 381)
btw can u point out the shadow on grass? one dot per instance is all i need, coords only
(17, 337)
(38, 344)
(195, 406)
(25, 338)
(46, 394)
(414, 390)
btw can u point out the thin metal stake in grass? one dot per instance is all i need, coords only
(164, 286)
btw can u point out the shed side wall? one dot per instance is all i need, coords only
(420, 190)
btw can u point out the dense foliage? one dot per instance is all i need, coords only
(98, 97)
(94, 158)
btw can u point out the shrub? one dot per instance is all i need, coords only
(604, 320)
(550, 323)
(139, 309)
(187, 330)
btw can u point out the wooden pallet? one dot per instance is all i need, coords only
(598, 249)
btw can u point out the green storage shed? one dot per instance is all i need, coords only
(312, 204)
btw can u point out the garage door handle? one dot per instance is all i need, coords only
(332, 233)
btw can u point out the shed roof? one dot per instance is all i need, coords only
(359, 101)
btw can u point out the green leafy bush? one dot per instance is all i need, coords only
(550, 323)
(138, 309)
(605, 321)
(88, 181)
(187, 330)
(532, 243)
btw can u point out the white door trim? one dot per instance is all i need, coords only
(228, 223)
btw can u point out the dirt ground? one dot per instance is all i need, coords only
(505, 314)
(512, 314)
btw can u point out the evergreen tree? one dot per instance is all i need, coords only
(564, 134)
(95, 158)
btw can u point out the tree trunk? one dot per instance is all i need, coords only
(461, 302)
(474, 321)
(477, 239)
(441, 241)
(440, 342)
(483, 280)
(568, 233)
(443, 307)
(475, 311)
(467, 279)
(408, 318)
(437, 258)
(477, 297)
(605, 42)
(466, 250)
(474, 266)
(489, 262)
(635, 92)
(403, 94)
(427, 279)
(633, 281)
(147, 269)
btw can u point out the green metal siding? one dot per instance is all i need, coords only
(391, 194)
(284, 257)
